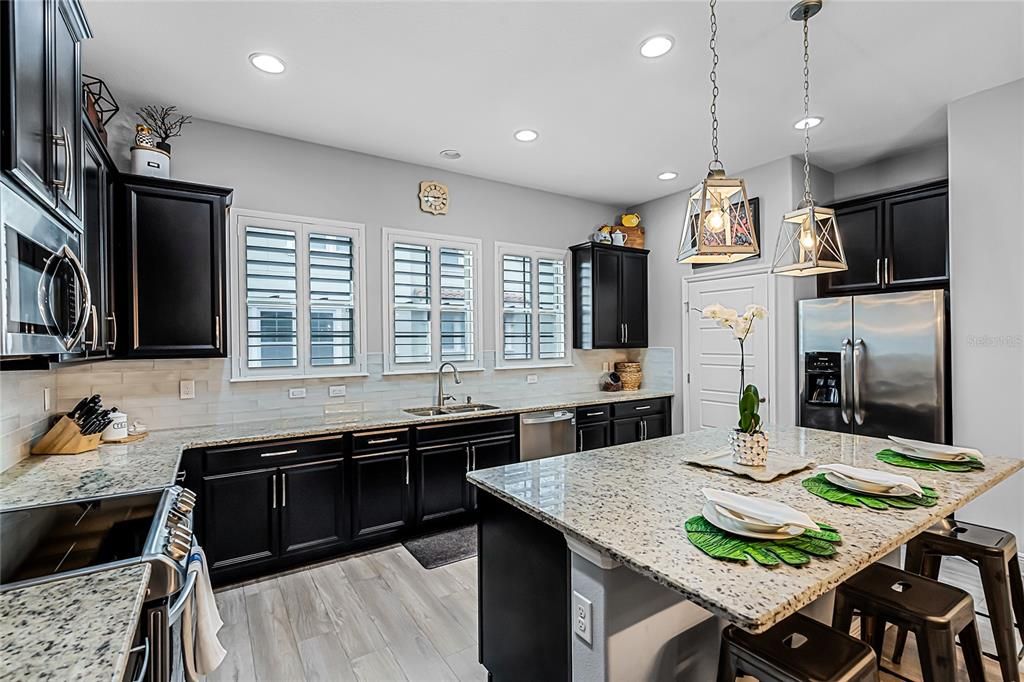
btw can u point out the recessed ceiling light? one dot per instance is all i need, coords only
(450, 154)
(668, 175)
(656, 46)
(267, 63)
(526, 135)
(809, 122)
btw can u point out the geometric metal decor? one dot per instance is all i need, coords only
(106, 105)
(719, 226)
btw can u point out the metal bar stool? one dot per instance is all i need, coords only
(934, 612)
(994, 552)
(799, 649)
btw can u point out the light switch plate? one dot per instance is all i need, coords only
(187, 389)
(336, 391)
(296, 393)
(582, 617)
(531, 378)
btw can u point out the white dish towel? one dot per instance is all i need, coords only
(203, 650)
(895, 482)
(937, 448)
(760, 509)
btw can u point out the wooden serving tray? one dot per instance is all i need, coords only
(130, 438)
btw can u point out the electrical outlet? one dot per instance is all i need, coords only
(336, 391)
(187, 389)
(296, 393)
(582, 617)
(46, 399)
(531, 378)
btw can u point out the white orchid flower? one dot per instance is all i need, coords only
(713, 311)
(756, 311)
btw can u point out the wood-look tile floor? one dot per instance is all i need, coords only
(382, 617)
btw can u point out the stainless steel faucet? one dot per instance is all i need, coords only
(441, 395)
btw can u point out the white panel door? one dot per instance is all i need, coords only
(713, 353)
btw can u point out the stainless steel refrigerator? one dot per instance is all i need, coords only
(876, 365)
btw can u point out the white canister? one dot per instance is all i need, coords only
(151, 161)
(618, 238)
(117, 429)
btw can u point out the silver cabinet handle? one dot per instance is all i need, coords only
(144, 647)
(62, 141)
(381, 441)
(112, 317)
(216, 330)
(95, 329)
(858, 361)
(844, 395)
(69, 170)
(878, 271)
(407, 470)
(888, 271)
(642, 408)
(579, 440)
(284, 490)
(278, 453)
(468, 467)
(595, 414)
(273, 497)
(472, 449)
(625, 327)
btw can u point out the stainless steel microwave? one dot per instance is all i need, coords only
(46, 299)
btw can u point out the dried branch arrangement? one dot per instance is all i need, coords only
(166, 122)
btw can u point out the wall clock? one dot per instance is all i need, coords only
(433, 197)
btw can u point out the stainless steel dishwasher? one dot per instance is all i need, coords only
(546, 434)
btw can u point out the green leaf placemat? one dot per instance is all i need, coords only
(898, 460)
(796, 551)
(823, 488)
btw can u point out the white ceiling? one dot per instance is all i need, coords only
(405, 80)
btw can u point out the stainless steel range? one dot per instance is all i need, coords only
(45, 544)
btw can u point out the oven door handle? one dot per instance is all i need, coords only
(174, 610)
(43, 292)
(144, 668)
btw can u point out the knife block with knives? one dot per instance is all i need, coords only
(76, 432)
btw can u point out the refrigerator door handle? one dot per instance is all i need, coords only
(858, 359)
(844, 381)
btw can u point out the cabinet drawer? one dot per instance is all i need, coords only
(639, 408)
(389, 439)
(588, 414)
(271, 453)
(475, 428)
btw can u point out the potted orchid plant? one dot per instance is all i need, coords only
(749, 443)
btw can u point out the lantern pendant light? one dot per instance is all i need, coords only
(719, 225)
(809, 242)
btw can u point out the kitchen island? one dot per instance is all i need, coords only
(608, 525)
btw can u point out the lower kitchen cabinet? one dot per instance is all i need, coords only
(312, 505)
(442, 481)
(240, 518)
(380, 493)
(592, 437)
(487, 453)
(637, 429)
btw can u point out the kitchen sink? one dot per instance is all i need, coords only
(465, 408)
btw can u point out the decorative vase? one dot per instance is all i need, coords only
(144, 136)
(164, 146)
(631, 373)
(749, 449)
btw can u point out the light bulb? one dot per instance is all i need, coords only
(715, 220)
(807, 240)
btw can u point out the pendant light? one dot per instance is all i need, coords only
(719, 225)
(809, 242)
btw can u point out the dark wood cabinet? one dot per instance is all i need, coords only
(640, 420)
(97, 187)
(240, 517)
(42, 85)
(487, 453)
(380, 493)
(592, 437)
(442, 481)
(898, 240)
(313, 505)
(609, 296)
(171, 239)
(626, 431)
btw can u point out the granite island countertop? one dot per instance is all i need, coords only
(151, 464)
(630, 502)
(77, 628)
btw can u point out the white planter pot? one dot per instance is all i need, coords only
(749, 449)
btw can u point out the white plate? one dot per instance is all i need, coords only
(928, 456)
(933, 448)
(726, 524)
(862, 486)
(745, 522)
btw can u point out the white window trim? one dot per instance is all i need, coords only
(302, 226)
(389, 235)
(502, 249)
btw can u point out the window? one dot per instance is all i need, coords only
(532, 316)
(299, 292)
(431, 282)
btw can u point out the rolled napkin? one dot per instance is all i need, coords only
(760, 509)
(937, 448)
(895, 482)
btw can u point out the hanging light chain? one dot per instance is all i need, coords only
(714, 88)
(807, 112)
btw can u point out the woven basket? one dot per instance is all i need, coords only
(631, 374)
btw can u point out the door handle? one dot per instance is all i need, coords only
(878, 271)
(112, 317)
(888, 271)
(407, 470)
(284, 490)
(216, 331)
(95, 329)
(273, 497)
(858, 353)
(844, 380)
(468, 469)
(625, 326)
(62, 141)
(472, 449)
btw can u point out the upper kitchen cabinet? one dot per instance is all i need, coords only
(609, 296)
(898, 240)
(170, 240)
(98, 173)
(42, 102)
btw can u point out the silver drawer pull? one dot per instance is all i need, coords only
(595, 414)
(381, 441)
(642, 408)
(279, 453)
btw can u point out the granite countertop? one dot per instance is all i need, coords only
(630, 502)
(78, 628)
(151, 464)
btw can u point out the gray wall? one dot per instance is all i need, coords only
(986, 181)
(912, 167)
